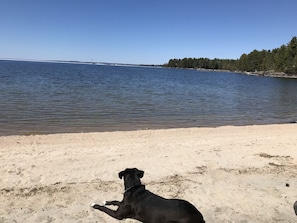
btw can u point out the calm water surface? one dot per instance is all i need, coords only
(52, 98)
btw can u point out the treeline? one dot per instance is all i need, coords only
(282, 59)
(203, 63)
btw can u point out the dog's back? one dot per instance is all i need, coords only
(164, 210)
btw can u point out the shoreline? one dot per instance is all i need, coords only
(230, 173)
(274, 74)
(110, 130)
(264, 73)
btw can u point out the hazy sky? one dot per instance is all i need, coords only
(142, 31)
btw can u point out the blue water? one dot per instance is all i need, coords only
(38, 98)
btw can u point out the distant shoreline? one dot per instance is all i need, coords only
(271, 74)
(82, 62)
(256, 73)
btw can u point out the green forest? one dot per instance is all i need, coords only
(279, 60)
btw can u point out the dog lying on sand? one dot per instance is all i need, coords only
(142, 205)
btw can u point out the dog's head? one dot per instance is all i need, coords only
(131, 177)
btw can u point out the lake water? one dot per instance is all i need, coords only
(38, 98)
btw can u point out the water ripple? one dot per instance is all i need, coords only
(52, 98)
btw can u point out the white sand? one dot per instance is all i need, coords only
(231, 174)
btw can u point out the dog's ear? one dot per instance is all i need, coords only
(140, 173)
(121, 174)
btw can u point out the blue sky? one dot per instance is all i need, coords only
(142, 31)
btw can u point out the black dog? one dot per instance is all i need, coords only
(140, 204)
(295, 207)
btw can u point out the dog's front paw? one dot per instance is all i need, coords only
(95, 206)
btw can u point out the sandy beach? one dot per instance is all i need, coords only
(231, 174)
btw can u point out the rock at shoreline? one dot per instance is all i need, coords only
(271, 73)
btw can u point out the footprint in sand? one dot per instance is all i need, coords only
(36, 179)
